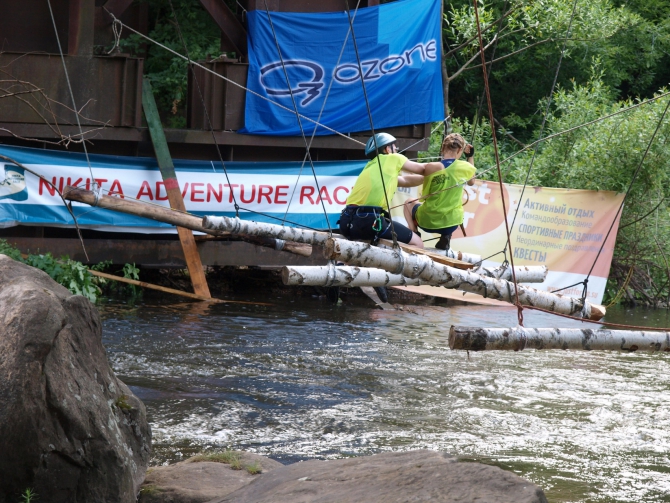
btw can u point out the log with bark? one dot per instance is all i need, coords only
(332, 275)
(518, 338)
(170, 216)
(251, 228)
(419, 266)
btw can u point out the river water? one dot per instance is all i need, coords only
(305, 379)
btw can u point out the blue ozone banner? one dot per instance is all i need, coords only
(265, 192)
(399, 48)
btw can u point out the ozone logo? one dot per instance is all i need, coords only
(311, 87)
(309, 75)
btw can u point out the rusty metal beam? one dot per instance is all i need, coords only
(116, 7)
(185, 138)
(81, 27)
(233, 34)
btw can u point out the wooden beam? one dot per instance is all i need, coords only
(151, 286)
(166, 166)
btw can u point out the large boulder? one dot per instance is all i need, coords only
(69, 429)
(199, 479)
(419, 476)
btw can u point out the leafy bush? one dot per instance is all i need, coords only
(73, 275)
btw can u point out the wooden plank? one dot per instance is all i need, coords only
(440, 259)
(193, 262)
(189, 295)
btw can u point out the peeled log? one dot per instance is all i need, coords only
(518, 338)
(419, 266)
(331, 275)
(251, 228)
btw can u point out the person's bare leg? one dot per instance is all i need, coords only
(416, 241)
(407, 212)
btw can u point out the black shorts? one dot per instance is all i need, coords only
(445, 231)
(366, 223)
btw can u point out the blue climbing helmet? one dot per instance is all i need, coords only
(382, 139)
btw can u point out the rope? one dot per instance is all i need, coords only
(546, 112)
(439, 125)
(117, 38)
(69, 86)
(204, 106)
(295, 107)
(323, 106)
(495, 149)
(630, 186)
(594, 121)
(606, 323)
(116, 20)
(372, 126)
(60, 194)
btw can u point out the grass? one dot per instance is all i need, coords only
(29, 496)
(228, 457)
(122, 403)
(150, 490)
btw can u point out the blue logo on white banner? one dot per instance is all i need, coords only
(399, 63)
(14, 184)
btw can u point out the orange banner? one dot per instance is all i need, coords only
(563, 229)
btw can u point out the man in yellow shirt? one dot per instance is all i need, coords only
(366, 215)
(442, 211)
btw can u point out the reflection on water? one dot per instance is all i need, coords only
(306, 379)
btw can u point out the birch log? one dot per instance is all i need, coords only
(169, 216)
(419, 266)
(518, 338)
(332, 275)
(470, 258)
(251, 228)
(524, 273)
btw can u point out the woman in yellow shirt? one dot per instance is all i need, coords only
(443, 184)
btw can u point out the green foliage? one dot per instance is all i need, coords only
(122, 403)
(71, 274)
(74, 275)
(630, 40)
(604, 156)
(29, 496)
(10, 251)
(167, 72)
(232, 458)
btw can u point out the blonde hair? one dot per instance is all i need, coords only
(453, 141)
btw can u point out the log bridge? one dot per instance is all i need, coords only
(367, 265)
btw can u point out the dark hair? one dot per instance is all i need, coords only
(453, 141)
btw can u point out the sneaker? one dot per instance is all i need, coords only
(382, 293)
(443, 243)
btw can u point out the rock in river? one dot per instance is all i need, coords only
(69, 429)
(391, 477)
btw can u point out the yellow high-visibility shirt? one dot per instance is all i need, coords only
(368, 189)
